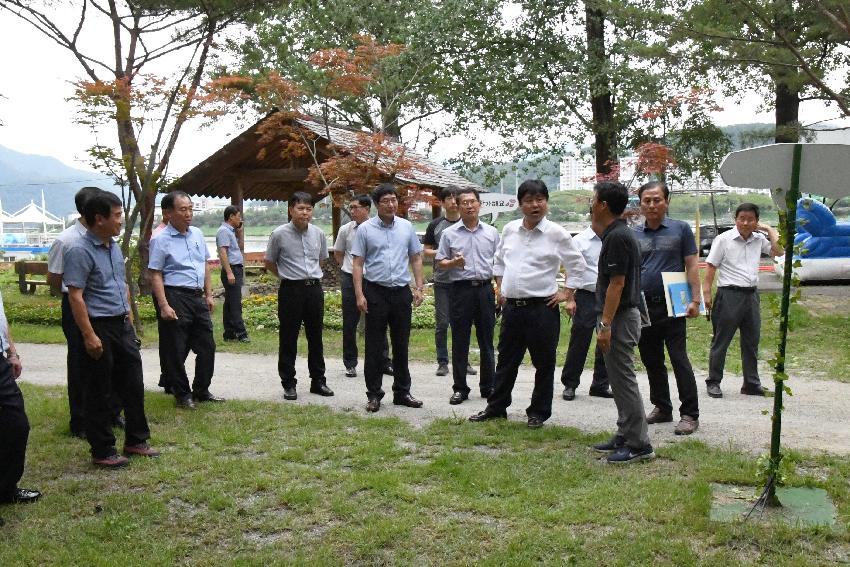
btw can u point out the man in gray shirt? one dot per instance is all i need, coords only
(55, 269)
(293, 255)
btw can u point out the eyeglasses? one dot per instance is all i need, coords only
(388, 201)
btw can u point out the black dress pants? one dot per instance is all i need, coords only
(234, 326)
(298, 303)
(14, 432)
(672, 333)
(472, 304)
(192, 330)
(387, 306)
(76, 376)
(118, 370)
(533, 327)
(350, 320)
(581, 333)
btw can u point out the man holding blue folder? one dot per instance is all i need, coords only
(667, 245)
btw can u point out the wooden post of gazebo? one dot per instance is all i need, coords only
(237, 200)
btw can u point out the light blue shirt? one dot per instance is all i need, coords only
(98, 270)
(386, 250)
(226, 238)
(478, 247)
(182, 258)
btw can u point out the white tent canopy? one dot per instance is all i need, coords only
(30, 218)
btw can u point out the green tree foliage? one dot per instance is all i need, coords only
(786, 47)
(402, 90)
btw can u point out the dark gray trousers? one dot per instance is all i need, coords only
(620, 363)
(735, 310)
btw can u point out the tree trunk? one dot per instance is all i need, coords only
(787, 113)
(601, 99)
(390, 118)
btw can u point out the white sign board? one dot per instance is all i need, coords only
(495, 203)
(823, 169)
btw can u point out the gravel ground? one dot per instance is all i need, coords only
(814, 420)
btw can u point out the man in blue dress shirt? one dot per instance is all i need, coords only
(99, 298)
(294, 255)
(384, 247)
(180, 279)
(232, 274)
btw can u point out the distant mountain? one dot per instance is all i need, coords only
(24, 176)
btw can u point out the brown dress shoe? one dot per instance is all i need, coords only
(373, 405)
(686, 426)
(657, 415)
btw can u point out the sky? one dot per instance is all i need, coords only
(38, 75)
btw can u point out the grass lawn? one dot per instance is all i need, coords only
(251, 483)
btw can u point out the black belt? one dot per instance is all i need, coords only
(656, 299)
(523, 301)
(307, 282)
(198, 292)
(235, 265)
(110, 319)
(386, 287)
(472, 283)
(739, 288)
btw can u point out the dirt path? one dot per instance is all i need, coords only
(815, 418)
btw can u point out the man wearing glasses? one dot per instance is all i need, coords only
(383, 248)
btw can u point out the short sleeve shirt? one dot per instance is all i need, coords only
(56, 254)
(344, 243)
(663, 250)
(620, 256)
(98, 270)
(10, 394)
(386, 250)
(226, 238)
(478, 247)
(182, 258)
(297, 254)
(432, 238)
(736, 259)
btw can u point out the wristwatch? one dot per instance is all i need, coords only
(602, 326)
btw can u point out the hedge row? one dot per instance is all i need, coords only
(259, 311)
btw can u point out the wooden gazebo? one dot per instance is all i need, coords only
(240, 170)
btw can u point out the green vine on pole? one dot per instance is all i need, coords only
(788, 230)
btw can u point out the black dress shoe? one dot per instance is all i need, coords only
(244, 339)
(119, 422)
(373, 405)
(388, 370)
(186, 403)
(535, 422)
(601, 393)
(484, 415)
(714, 390)
(753, 390)
(79, 434)
(569, 393)
(458, 398)
(290, 394)
(207, 397)
(407, 400)
(486, 393)
(25, 495)
(470, 370)
(321, 389)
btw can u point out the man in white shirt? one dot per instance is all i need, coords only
(359, 209)
(736, 254)
(527, 263)
(584, 322)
